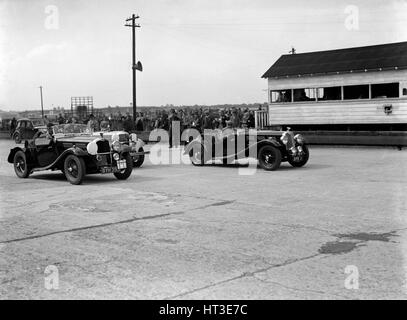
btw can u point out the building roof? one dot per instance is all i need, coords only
(359, 59)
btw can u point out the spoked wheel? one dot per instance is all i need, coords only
(301, 159)
(139, 160)
(125, 173)
(74, 169)
(20, 165)
(269, 158)
(196, 156)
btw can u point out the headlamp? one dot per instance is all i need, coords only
(115, 136)
(299, 138)
(116, 156)
(116, 146)
(284, 138)
(92, 147)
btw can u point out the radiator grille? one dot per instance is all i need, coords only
(103, 146)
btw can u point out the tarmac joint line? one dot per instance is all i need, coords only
(108, 224)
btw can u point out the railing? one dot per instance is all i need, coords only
(261, 119)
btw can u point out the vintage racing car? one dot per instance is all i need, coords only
(137, 145)
(269, 147)
(74, 150)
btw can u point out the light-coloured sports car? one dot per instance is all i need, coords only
(123, 137)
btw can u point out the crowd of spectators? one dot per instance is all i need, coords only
(199, 119)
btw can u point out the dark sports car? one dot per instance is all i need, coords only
(72, 149)
(27, 128)
(269, 147)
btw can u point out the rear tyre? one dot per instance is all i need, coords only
(125, 173)
(300, 160)
(139, 160)
(20, 165)
(269, 158)
(74, 169)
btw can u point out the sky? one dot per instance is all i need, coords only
(193, 51)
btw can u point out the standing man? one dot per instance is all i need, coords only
(61, 119)
(13, 125)
(128, 124)
(207, 120)
(250, 120)
(92, 123)
(235, 119)
(245, 118)
(173, 117)
(139, 122)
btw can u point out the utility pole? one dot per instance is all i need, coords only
(42, 103)
(131, 22)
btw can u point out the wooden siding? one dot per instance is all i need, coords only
(339, 80)
(339, 112)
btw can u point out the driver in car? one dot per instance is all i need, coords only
(44, 134)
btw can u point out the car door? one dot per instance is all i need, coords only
(21, 129)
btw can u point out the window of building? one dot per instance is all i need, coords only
(404, 91)
(356, 92)
(280, 95)
(305, 94)
(385, 90)
(329, 93)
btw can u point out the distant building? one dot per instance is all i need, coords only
(363, 88)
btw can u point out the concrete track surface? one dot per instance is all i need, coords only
(335, 229)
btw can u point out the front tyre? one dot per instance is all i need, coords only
(269, 158)
(125, 173)
(138, 160)
(74, 169)
(300, 160)
(20, 165)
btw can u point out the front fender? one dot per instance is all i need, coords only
(269, 141)
(140, 143)
(76, 151)
(126, 149)
(10, 158)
